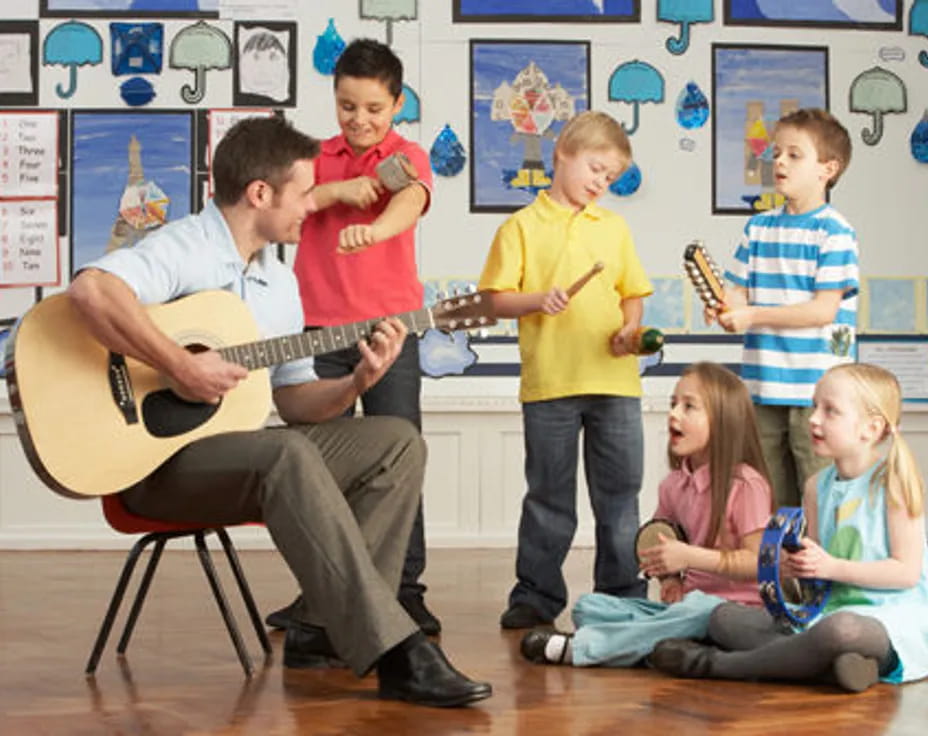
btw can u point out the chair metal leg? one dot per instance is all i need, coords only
(222, 602)
(141, 593)
(115, 602)
(244, 588)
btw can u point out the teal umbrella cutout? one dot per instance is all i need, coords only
(684, 12)
(72, 44)
(636, 82)
(410, 111)
(877, 91)
(200, 47)
(918, 26)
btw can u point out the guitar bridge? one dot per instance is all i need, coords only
(121, 388)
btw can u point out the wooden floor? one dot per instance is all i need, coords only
(181, 676)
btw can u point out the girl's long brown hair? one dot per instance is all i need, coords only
(733, 436)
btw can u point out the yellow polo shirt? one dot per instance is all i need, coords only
(544, 245)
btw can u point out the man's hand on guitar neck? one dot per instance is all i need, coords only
(379, 353)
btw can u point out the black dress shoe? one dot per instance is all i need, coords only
(522, 616)
(682, 658)
(424, 618)
(417, 671)
(280, 619)
(307, 646)
(534, 646)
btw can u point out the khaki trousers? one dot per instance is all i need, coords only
(787, 445)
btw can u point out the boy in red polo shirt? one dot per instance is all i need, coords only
(357, 260)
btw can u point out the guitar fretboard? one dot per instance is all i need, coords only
(275, 350)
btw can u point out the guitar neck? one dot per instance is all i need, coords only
(276, 350)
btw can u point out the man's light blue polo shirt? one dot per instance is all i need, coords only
(198, 253)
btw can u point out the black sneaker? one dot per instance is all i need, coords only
(522, 616)
(281, 618)
(414, 604)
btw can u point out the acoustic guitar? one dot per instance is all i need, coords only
(93, 422)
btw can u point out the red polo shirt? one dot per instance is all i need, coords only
(378, 281)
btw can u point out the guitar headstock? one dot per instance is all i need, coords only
(464, 312)
(704, 274)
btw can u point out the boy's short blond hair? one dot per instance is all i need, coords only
(593, 131)
(831, 139)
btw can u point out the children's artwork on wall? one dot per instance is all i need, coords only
(628, 183)
(753, 86)
(137, 91)
(684, 12)
(199, 47)
(521, 92)
(547, 11)
(71, 45)
(636, 82)
(411, 111)
(19, 63)
(129, 8)
(131, 172)
(692, 107)
(918, 26)
(265, 68)
(891, 53)
(137, 48)
(447, 155)
(918, 141)
(877, 92)
(389, 11)
(871, 15)
(445, 354)
(329, 46)
(666, 307)
(891, 304)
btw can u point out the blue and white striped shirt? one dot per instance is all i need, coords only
(784, 259)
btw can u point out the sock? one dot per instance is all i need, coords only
(558, 649)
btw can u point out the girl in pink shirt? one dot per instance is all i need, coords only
(718, 492)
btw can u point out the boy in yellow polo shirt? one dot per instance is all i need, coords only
(577, 372)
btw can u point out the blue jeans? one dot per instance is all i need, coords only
(395, 395)
(613, 449)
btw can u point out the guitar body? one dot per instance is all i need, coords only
(92, 423)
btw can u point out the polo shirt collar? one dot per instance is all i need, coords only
(217, 230)
(551, 210)
(699, 478)
(339, 145)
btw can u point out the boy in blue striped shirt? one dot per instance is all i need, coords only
(795, 294)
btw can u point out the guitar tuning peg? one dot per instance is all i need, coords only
(472, 288)
(440, 295)
(455, 291)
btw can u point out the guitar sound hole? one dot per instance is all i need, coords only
(167, 415)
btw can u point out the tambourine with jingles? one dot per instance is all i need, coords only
(785, 531)
(649, 535)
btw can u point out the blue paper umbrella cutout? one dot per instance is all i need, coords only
(918, 26)
(628, 183)
(692, 107)
(684, 12)
(72, 44)
(138, 48)
(447, 154)
(329, 46)
(442, 354)
(137, 91)
(636, 82)
(410, 111)
(919, 140)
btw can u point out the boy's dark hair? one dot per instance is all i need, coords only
(831, 139)
(262, 42)
(258, 148)
(366, 58)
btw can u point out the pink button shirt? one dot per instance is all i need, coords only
(376, 282)
(685, 497)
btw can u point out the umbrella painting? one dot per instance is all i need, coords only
(72, 44)
(547, 11)
(881, 15)
(918, 26)
(389, 11)
(200, 47)
(684, 12)
(135, 8)
(636, 82)
(877, 92)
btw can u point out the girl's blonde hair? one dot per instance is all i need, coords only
(733, 436)
(880, 395)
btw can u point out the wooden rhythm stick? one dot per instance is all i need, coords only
(705, 275)
(396, 172)
(581, 282)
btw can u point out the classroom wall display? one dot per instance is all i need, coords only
(752, 87)
(71, 45)
(389, 11)
(521, 92)
(636, 82)
(877, 92)
(19, 62)
(546, 11)
(131, 173)
(199, 47)
(871, 15)
(133, 8)
(329, 46)
(918, 26)
(264, 72)
(684, 13)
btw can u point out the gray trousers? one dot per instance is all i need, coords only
(338, 499)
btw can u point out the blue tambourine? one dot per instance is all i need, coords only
(784, 531)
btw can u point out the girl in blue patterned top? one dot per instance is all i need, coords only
(867, 521)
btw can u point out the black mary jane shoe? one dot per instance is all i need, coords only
(535, 643)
